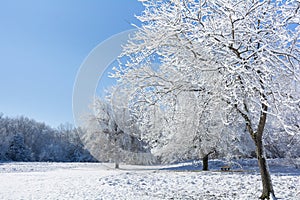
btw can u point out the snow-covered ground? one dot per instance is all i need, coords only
(178, 181)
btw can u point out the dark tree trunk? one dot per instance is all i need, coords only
(117, 165)
(264, 171)
(261, 156)
(205, 161)
(116, 155)
(117, 132)
(260, 152)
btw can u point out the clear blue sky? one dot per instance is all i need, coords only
(43, 44)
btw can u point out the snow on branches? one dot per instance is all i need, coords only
(242, 55)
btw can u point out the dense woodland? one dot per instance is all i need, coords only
(24, 139)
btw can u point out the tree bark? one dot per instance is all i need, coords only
(261, 156)
(117, 165)
(205, 161)
(116, 136)
(260, 151)
(264, 171)
(116, 155)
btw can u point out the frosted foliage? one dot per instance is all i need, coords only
(112, 137)
(240, 57)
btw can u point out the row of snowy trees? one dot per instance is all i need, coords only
(23, 139)
(113, 134)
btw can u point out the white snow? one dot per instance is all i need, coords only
(101, 181)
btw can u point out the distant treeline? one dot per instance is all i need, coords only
(24, 139)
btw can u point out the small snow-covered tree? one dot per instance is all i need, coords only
(131, 141)
(190, 131)
(250, 49)
(114, 139)
(101, 136)
(18, 151)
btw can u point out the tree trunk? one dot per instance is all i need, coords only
(264, 171)
(261, 156)
(116, 155)
(260, 152)
(116, 142)
(205, 161)
(117, 165)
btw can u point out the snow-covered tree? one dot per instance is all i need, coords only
(184, 131)
(243, 54)
(278, 142)
(18, 151)
(110, 137)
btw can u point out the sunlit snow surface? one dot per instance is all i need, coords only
(178, 181)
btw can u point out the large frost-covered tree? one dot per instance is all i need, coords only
(242, 54)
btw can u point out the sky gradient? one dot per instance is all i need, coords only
(43, 44)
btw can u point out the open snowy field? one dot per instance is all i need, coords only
(101, 181)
